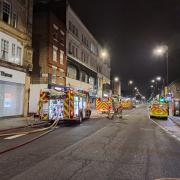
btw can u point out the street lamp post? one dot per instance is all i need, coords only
(116, 86)
(160, 51)
(104, 55)
(130, 82)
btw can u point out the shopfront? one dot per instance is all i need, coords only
(12, 84)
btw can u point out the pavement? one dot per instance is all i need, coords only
(8, 123)
(175, 119)
(132, 148)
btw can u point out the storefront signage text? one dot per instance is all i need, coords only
(177, 89)
(2, 73)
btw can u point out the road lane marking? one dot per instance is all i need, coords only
(166, 130)
(144, 129)
(15, 136)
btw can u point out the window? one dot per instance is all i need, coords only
(62, 75)
(73, 52)
(13, 52)
(76, 32)
(18, 55)
(70, 26)
(84, 77)
(62, 32)
(73, 29)
(14, 20)
(6, 12)
(70, 50)
(61, 57)
(53, 80)
(55, 53)
(91, 81)
(4, 49)
(72, 72)
(55, 32)
(76, 54)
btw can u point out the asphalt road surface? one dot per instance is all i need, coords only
(132, 148)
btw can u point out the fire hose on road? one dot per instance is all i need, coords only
(49, 129)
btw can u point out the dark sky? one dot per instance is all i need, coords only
(130, 29)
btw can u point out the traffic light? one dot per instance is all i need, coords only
(161, 99)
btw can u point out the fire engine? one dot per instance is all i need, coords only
(68, 105)
(103, 104)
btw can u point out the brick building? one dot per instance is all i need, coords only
(49, 43)
(15, 56)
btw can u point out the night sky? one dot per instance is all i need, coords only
(130, 29)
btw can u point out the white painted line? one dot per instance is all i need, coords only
(145, 129)
(15, 136)
(167, 131)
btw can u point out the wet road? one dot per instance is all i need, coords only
(130, 148)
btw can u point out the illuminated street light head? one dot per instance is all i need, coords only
(153, 81)
(135, 88)
(160, 50)
(158, 78)
(104, 53)
(151, 86)
(130, 82)
(116, 79)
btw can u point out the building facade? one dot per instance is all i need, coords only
(86, 69)
(49, 43)
(15, 56)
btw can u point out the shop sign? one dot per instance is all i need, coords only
(11, 75)
(177, 89)
(2, 73)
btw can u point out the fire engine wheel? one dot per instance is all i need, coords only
(80, 119)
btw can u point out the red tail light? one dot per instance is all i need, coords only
(71, 114)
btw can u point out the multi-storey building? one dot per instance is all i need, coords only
(49, 43)
(65, 52)
(15, 56)
(86, 68)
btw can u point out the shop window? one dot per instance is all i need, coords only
(11, 101)
(6, 12)
(61, 57)
(4, 49)
(55, 53)
(14, 20)
(72, 72)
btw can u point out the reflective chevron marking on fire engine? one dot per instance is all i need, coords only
(71, 98)
(103, 105)
(66, 107)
